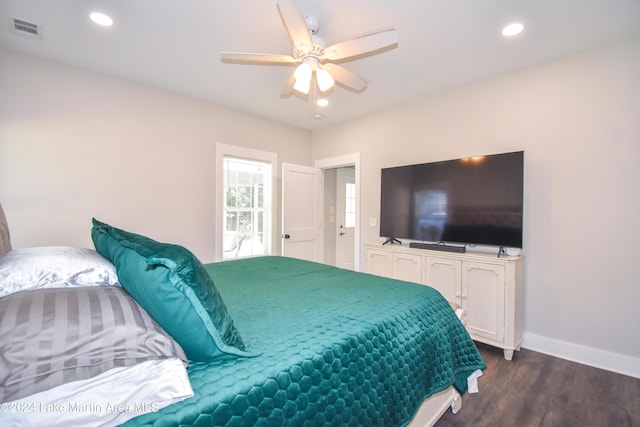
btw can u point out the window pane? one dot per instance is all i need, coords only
(241, 178)
(260, 196)
(245, 222)
(244, 197)
(231, 221)
(350, 205)
(230, 199)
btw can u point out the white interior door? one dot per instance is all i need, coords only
(301, 212)
(345, 217)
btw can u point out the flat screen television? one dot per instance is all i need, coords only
(470, 201)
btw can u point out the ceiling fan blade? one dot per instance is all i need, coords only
(287, 90)
(362, 45)
(256, 58)
(345, 77)
(295, 24)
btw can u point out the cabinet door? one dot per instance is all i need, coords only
(483, 299)
(378, 262)
(407, 267)
(444, 275)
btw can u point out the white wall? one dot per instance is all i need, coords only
(75, 144)
(578, 120)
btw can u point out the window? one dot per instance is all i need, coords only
(244, 202)
(350, 205)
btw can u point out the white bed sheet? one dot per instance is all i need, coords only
(108, 399)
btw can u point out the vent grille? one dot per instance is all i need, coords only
(25, 28)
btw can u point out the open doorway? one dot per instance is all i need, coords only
(341, 211)
(340, 216)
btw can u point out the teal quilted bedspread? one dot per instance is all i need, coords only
(336, 348)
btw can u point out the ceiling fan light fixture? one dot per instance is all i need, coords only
(302, 76)
(302, 87)
(325, 81)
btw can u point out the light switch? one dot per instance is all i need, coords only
(373, 222)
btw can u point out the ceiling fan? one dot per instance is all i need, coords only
(316, 63)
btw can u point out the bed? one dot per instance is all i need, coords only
(278, 341)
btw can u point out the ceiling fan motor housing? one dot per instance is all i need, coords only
(313, 23)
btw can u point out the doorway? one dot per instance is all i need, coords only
(341, 210)
(345, 217)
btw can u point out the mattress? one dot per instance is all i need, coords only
(335, 347)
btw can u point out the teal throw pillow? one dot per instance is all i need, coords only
(172, 285)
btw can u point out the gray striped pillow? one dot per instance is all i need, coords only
(50, 337)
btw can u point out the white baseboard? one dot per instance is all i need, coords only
(613, 362)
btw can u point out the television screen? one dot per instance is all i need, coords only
(474, 200)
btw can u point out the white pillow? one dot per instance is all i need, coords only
(54, 267)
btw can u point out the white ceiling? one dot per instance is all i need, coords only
(175, 45)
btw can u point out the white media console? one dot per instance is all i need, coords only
(489, 288)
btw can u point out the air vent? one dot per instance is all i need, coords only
(26, 28)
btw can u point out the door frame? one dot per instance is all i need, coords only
(338, 162)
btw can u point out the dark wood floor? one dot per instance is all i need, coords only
(539, 390)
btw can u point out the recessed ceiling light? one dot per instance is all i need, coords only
(101, 19)
(322, 102)
(512, 29)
